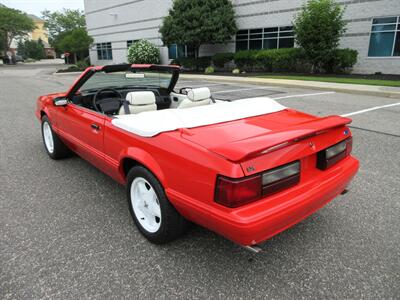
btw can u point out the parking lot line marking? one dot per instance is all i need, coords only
(370, 109)
(305, 95)
(242, 90)
(207, 84)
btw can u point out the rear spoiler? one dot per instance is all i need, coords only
(268, 142)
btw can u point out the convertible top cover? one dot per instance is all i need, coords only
(152, 123)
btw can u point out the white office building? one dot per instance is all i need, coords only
(373, 29)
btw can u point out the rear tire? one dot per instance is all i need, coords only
(55, 148)
(153, 214)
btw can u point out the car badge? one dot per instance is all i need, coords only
(346, 132)
(251, 169)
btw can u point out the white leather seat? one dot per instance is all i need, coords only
(196, 97)
(139, 102)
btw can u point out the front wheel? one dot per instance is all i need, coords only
(55, 148)
(151, 211)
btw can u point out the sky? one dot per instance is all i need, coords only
(37, 6)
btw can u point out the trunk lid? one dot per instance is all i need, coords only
(242, 139)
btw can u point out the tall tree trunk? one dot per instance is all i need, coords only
(75, 58)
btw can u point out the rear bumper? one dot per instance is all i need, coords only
(259, 221)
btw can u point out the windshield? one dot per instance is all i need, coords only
(128, 79)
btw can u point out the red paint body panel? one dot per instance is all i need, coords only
(187, 162)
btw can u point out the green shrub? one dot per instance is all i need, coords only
(220, 59)
(143, 52)
(345, 59)
(209, 70)
(270, 60)
(194, 64)
(82, 64)
(246, 59)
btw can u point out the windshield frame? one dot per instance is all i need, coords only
(89, 72)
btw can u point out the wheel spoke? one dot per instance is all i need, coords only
(154, 208)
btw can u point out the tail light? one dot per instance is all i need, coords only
(237, 192)
(333, 154)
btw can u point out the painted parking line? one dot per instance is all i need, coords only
(305, 95)
(242, 90)
(370, 109)
(197, 84)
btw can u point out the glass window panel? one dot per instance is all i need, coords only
(381, 44)
(190, 52)
(273, 29)
(99, 57)
(256, 31)
(181, 51)
(269, 35)
(255, 44)
(397, 45)
(286, 28)
(256, 36)
(270, 43)
(383, 27)
(241, 45)
(286, 43)
(172, 51)
(384, 20)
(288, 33)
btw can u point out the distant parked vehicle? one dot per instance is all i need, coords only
(18, 58)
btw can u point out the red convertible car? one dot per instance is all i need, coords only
(246, 169)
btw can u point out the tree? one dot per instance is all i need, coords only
(13, 23)
(197, 22)
(143, 52)
(2, 43)
(31, 49)
(67, 32)
(59, 22)
(77, 41)
(318, 29)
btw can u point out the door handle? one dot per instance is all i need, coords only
(95, 126)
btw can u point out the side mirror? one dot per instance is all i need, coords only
(60, 101)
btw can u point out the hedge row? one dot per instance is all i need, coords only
(292, 60)
(272, 60)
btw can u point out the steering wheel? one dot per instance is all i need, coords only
(97, 101)
(184, 90)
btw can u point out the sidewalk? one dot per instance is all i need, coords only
(373, 90)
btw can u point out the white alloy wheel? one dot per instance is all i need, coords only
(145, 204)
(48, 137)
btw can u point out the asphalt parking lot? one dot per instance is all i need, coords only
(65, 229)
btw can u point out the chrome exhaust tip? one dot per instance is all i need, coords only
(253, 248)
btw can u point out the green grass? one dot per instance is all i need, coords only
(381, 82)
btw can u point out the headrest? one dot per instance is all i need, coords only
(141, 98)
(199, 94)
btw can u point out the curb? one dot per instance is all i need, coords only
(358, 89)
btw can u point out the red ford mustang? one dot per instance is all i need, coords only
(246, 169)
